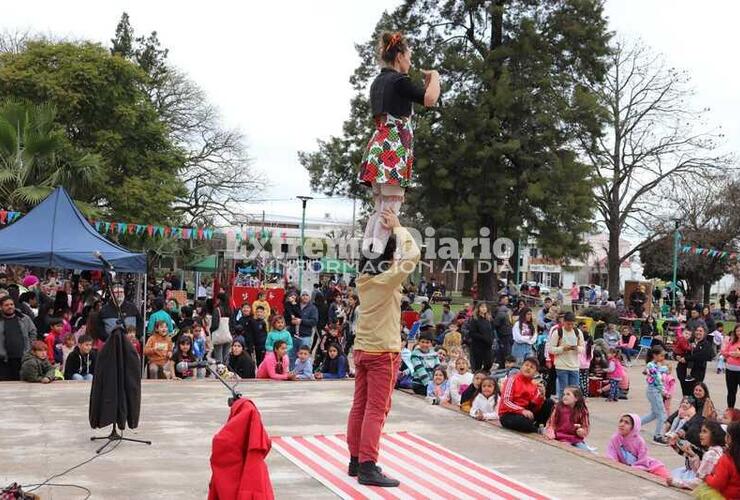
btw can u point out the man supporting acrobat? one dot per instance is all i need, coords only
(377, 350)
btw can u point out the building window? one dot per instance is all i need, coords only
(555, 280)
(533, 252)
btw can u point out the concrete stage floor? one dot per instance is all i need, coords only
(44, 430)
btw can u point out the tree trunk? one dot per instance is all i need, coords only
(707, 292)
(694, 289)
(613, 262)
(487, 282)
(468, 266)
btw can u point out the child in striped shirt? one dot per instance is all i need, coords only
(424, 360)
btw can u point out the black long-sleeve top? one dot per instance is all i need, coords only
(481, 332)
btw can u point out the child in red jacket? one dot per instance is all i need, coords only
(54, 337)
(523, 405)
(725, 478)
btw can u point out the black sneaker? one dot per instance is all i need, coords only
(660, 440)
(354, 467)
(371, 475)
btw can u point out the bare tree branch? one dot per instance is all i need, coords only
(653, 137)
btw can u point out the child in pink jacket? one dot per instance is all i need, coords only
(272, 368)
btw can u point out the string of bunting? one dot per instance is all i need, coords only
(709, 252)
(156, 231)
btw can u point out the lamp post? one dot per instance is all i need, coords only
(518, 260)
(303, 199)
(676, 241)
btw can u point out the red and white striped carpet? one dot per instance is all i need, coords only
(426, 470)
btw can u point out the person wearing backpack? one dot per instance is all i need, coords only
(566, 343)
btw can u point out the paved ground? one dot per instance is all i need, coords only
(44, 430)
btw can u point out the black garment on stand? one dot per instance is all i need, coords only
(115, 396)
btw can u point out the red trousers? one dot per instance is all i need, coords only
(375, 378)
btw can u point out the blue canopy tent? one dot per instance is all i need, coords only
(56, 234)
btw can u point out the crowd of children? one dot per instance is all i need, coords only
(539, 383)
(524, 395)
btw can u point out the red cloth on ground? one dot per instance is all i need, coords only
(238, 469)
(375, 379)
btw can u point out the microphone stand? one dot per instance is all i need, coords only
(117, 330)
(234, 395)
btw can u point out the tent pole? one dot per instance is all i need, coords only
(143, 315)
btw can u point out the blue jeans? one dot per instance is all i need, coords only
(657, 410)
(77, 376)
(564, 378)
(521, 351)
(297, 343)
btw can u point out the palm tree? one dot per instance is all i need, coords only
(36, 157)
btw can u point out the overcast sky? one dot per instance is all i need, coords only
(279, 70)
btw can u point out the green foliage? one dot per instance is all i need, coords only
(103, 107)
(499, 150)
(36, 156)
(696, 270)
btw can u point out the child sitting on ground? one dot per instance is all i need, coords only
(303, 368)
(80, 364)
(159, 351)
(423, 362)
(699, 461)
(615, 373)
(443, 357)
(54, 337)
(240, 362)
(460, 380)
(403, 377)
(455, 354)
(278, 332)
(66, 348)
(510, 368)
(725, 478)
(131, 336)
(202, 346)
(36, 366)
(276, 365)
(184, 354)
(438, 389)
(569, 420)
(334, 365)
(627, 447)
(331, 335)
(486, 401)
(469, 394)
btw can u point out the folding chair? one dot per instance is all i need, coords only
(646, 343)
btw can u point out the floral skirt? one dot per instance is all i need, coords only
(389, 154)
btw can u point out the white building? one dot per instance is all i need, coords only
(533, 266)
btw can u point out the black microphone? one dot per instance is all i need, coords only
(102, 259)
